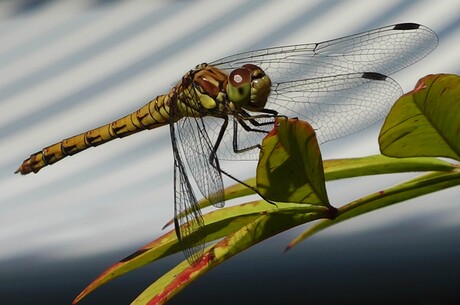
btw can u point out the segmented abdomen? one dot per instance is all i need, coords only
(154, 114)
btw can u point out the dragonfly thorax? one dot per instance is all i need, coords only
(209, 85)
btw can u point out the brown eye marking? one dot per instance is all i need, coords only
(251, 67)
(256, 71)
(239, 77)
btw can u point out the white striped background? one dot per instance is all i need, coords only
(68, 66)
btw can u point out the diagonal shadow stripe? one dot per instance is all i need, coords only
(147, 62)
(110, 41)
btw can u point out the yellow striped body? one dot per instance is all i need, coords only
(201, 92)
(152, 115)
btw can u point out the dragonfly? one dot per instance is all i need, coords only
(222, 110)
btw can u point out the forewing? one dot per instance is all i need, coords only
(385, 50)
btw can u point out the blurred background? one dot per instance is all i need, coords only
(69, 66)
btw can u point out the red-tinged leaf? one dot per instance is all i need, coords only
(413, 188)
(425, 121)
(183, 275)
(261, 228)
(163, 246)
(219, 223)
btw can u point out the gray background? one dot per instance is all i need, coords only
(68, 66)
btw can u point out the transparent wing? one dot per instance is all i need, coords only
(328, 83)
(335, 106)
(338, 105)
(197, 148)
(192, 150)
(188, 220)
(384, 50)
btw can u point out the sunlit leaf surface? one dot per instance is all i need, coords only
(290, 167)
(425, 121)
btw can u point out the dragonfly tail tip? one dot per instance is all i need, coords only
(24, 169)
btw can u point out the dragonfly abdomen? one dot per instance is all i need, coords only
(152, 115)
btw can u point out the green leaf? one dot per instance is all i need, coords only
(376, 165)
(236, 190)
(371, 165)
(219, 223)
(261, 228)
(425, 121)
(416, 187)
(290, 167)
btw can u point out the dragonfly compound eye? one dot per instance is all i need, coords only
(260, 87)
(239, 87)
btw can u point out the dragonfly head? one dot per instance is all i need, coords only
(248, 87)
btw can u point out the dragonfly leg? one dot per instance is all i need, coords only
(242, 117)
(236, 149)
(267, 114)
(214, 161)
(213, 157)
